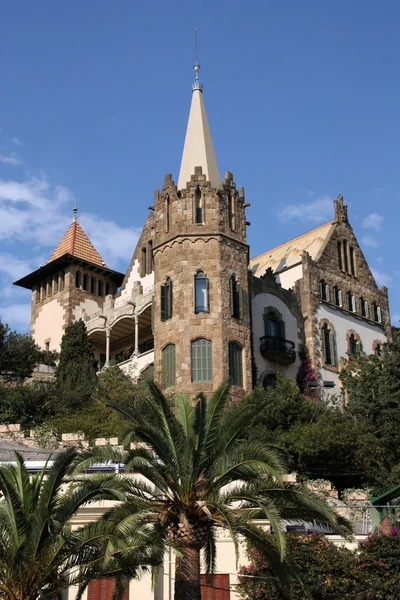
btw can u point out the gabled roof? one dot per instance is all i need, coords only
(288, 254)
(198, 150)
(76, 243)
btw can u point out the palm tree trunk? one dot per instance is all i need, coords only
(187, 575)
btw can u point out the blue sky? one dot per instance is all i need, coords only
(302, 100)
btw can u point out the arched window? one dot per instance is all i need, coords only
(55, 284)
(378, 350)
(351, 301)
(78, 279)
(198, 206)
(168, 365)
(100, 287)
(231, 211)
(352, 261)
(363, 307)
(143, 264)
(236, 298)
(354, 346)
(150, 256)
(340, 260)
(85, 282)
(273, 324)
(269, 381)
(200, 292)
(201, 359)
(325, 291)
(337, 296)
(166, 300)
(235, 364)
(376, 313)
(328, 344)
(93, 285)
(107, 288)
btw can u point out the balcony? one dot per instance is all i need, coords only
(277, 350)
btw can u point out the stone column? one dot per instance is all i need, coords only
(108, 333)
(136, 351)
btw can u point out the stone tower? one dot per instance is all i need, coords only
(73, 284)
(201, 315)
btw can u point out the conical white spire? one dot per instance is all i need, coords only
(198, 150)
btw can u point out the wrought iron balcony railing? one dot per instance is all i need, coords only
(277, 349)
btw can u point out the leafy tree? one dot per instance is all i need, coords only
(28, 405)
(199, 477)
(277, 409)
(19, 355)
(40, 554)
(76, 377)
(327, 572)
(373, 389)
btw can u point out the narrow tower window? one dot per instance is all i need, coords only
(231, 211)
(62, 280)
(85, 282)
(352, 261)
(101, 288)
(150, 256)
(55, 284)
(166, 300)
(339, 248)
(93, 285)
(236, 298)
(78, 279)
(167, 209)
(143, 264)
(107, 288)
(346, 257)
(200, 292)
(198, 207)
(235, 364)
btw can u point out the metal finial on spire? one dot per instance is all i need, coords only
(197, 85)
(75, 211)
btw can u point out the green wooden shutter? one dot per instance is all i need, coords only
(169, 314)
(163, 290)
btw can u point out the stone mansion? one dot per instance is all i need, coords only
(193, 308)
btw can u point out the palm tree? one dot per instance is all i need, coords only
(196, 476)
(40, 553)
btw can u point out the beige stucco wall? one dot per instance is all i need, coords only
(48, 325)
(288, 278)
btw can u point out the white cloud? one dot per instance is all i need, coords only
(17, 316)
(15, 140)
(15, 267)
(368, 240)
(11, 159)
(381, 278)
(29, 210)
(317, 211)
(373, 221)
